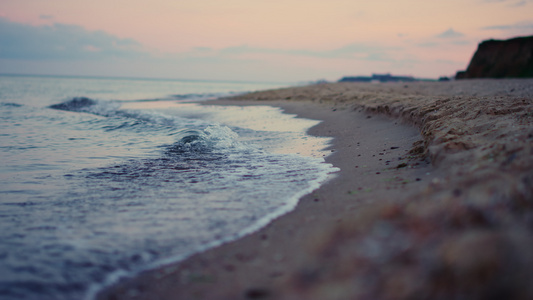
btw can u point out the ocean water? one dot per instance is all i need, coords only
(103, 178)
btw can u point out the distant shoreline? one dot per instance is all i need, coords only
(140, 78)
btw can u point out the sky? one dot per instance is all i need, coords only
(252, 40)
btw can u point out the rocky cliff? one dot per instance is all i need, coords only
(511, 58)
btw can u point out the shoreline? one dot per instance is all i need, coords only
(375, 219)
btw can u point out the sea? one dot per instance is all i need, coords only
(102, 178)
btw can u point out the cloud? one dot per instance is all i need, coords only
(525, 25)
(46, 17)
(356, 50)
(520, 3)
(428, 44)
(450, 34)
(524, 28)
(515, 3)
(61, 42)
(71, 42)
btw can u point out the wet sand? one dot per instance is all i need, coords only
(434, 200)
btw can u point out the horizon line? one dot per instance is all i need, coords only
(142, 78)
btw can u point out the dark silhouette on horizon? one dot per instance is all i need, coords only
(377, 77)
(512, 58)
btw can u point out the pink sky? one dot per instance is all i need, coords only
(289, 40)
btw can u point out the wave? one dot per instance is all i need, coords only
(75, 104)
(196, 97)
(88, 105)
(213, 137)
(9, 104)
(112, 109)
(191, 135)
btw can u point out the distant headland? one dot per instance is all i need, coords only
(377, 78)
(512, 58)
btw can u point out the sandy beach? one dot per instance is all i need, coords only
(434, 200)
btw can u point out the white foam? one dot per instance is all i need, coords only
(223, 137)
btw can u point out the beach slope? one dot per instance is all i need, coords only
(434, 200)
